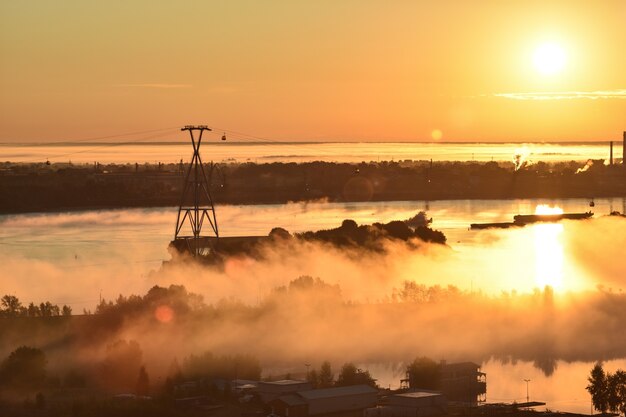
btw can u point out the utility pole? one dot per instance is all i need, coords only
(527, 396)
(196, 203)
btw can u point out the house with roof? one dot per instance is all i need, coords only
(325, 401)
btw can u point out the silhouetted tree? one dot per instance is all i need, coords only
(67, 310)
(598, 388)
(119, 368)
(616, 384)
(10, 305)
(608, 391)
(33, 310)
(24, 368)
(326, 376)
(351, 375)
(424, 373)
(313, 378)
(143, 384)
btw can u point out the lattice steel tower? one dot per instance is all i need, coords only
(196, 204)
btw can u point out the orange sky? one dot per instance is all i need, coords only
(313, 70)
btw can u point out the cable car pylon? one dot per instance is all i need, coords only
(196, 204)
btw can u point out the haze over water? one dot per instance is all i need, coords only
(111, 252)
(238, 151)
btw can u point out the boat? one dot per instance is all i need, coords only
(503, 225)
(536, 218)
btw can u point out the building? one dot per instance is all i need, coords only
(463, 382)
(325, 401)
(418, 403)
(411, 404)
(270, 390)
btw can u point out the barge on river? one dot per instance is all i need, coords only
(524, 219)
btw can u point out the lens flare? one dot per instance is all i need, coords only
(164, 313)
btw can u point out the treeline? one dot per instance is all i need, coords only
(122, 370)
(349, 375)
(11, 306)
(372, 236)
(25, 188)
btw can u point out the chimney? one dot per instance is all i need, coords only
(624, 150)
(611, 154)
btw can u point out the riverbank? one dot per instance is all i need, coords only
(64, 187)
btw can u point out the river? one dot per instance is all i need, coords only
(62, 257)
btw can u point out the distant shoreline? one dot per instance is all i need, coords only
(31, 188)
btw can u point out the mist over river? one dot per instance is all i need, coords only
(75, 258)
(260, 152)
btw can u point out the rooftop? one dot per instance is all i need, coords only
(337, 392)
(292, 400)
(284, 382)
(419, 394)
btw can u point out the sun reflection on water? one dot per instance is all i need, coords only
(549, 254)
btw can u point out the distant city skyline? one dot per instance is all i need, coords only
(314, 71)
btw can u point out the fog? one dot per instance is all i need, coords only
(366, 307)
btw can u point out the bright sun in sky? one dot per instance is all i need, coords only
(549, 58)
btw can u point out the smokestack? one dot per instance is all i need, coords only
(611, 154)
(624, 150)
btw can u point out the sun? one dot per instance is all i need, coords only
(549, 58)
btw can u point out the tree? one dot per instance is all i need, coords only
(424, 373)
(621, 390)
(326, 376)
(33, 310)
(11, 305)
(121, 364)
(616, 387)
(351, 375)
(24, 368)
(313, 378)
(67, 310)
(143, 383)
(598, 388)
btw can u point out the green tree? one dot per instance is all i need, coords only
(424, 373)
(598, 388)
(326, 376)
(24, 368)
(351, 375)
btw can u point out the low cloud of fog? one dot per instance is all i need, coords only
(368, 324)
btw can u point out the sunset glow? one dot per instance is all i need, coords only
(548, 249)
(548, 209)
(309, 71)
(313, 208)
